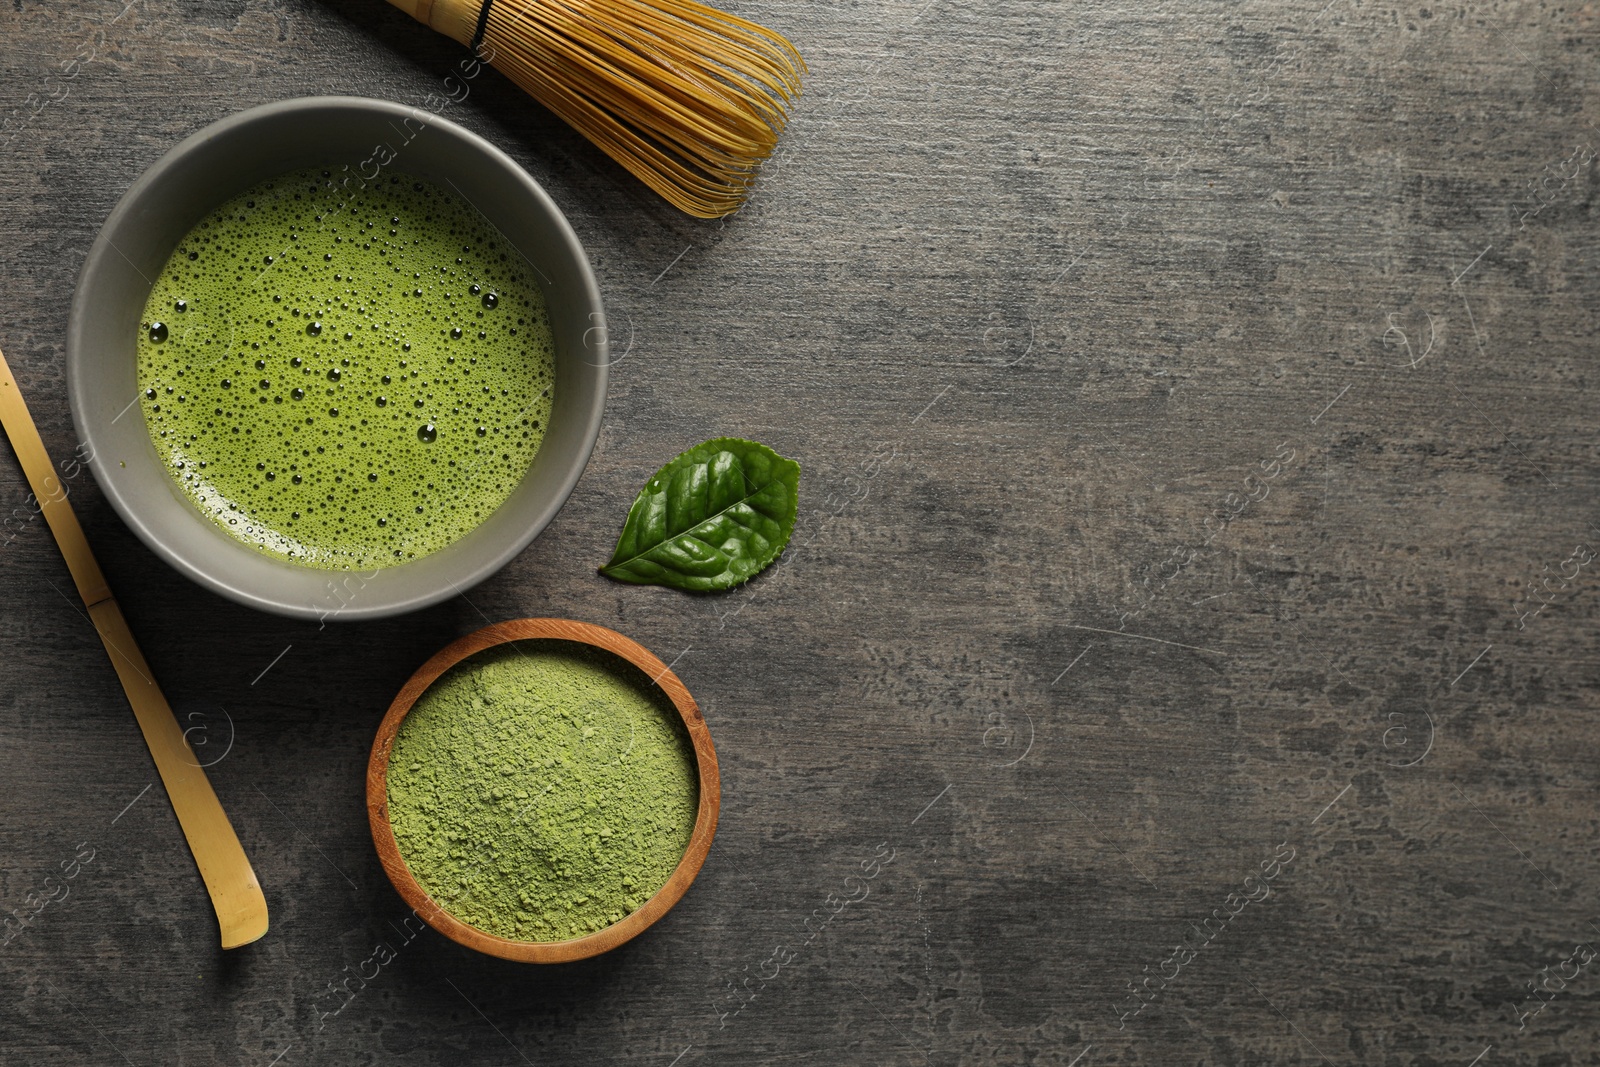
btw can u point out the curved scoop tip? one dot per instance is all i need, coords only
(245, 928)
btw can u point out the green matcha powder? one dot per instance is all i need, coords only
(542, 790)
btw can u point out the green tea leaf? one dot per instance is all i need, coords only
(714, 517)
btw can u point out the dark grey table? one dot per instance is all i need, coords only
(1193, 605)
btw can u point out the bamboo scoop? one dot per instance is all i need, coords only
(241, 909)
(688, 98)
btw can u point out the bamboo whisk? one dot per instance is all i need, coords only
(688, 98)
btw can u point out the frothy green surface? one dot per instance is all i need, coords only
(346, 379)
(542, 790)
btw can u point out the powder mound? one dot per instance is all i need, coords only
(542, 790)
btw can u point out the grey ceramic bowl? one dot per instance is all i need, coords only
(223, 160)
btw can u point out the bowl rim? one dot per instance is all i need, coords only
(215, 577)
(632, 924)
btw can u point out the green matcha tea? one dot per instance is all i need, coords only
(346, 378)
(542, 790)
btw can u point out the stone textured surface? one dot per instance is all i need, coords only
(1188, 393)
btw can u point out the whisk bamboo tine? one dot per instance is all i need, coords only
(656, 51)
(764, 47)
(760, 57)
(706, 194)
(687, 27)
(688, 98)
(679, 129)
(651, 79)
(675, 100)
(564, 70)
(680, 123)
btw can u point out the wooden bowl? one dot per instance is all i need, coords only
(705, 823)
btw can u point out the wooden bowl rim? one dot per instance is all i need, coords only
(631, 925)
